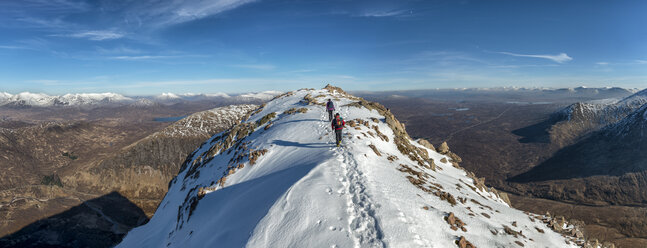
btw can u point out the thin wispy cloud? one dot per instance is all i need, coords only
(143, 57)
(559, 58)
(264, 67)
(118, 50)
(50, 23)
(602, 63)
(154, 57)
(110, 19)
(54, 6)
(97, 35)
(12, 47)
(443, 58)
(383, 13)
(160, 14)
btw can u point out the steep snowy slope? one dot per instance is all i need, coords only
(275, 180)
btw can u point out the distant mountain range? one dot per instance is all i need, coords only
(518, 95)
(28, 99)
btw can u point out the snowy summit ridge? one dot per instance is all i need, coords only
(275, 180)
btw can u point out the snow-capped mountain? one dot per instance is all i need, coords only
(606, 111)
(634, 124)
(171, 97)
(44, 100)
(205, 122)
(265, 95)
(96, 99)
(608, 165)
(582, 118)
(275, 180)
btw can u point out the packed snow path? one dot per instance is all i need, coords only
(277, 180)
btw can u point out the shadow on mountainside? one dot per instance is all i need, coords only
(99, 222)
(536, 133)
(297, 144)
(243, 206)
(599, 154)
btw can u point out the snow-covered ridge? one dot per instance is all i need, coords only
(633, 124)
(275, 180)
(204, 122)
(605, 111)
(92, 99)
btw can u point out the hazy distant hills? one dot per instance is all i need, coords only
(518, 95)
(28, 99)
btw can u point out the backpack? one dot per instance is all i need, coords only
(338, 123)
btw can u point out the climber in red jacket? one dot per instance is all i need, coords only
(337, 125)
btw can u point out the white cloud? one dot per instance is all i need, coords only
(559, 58)
(264, 67)
(383, 13)
(12, 47)
(602, 63)
(142, 57)
(160, 14)
(98, 35)
(155, 57)
(641, 61)
(118, 50)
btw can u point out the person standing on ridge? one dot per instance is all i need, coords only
(330, 107)
(337, 125)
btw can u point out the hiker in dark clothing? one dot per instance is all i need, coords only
(337, 125)
(330, 107)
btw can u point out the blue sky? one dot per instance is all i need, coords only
(143, 47)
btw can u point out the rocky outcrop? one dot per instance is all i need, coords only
(443, 148)
(426, 144)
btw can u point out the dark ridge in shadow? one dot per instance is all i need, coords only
(537, 133)
(599, 154)
(99, 222)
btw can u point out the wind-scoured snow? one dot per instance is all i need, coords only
(301, 191)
